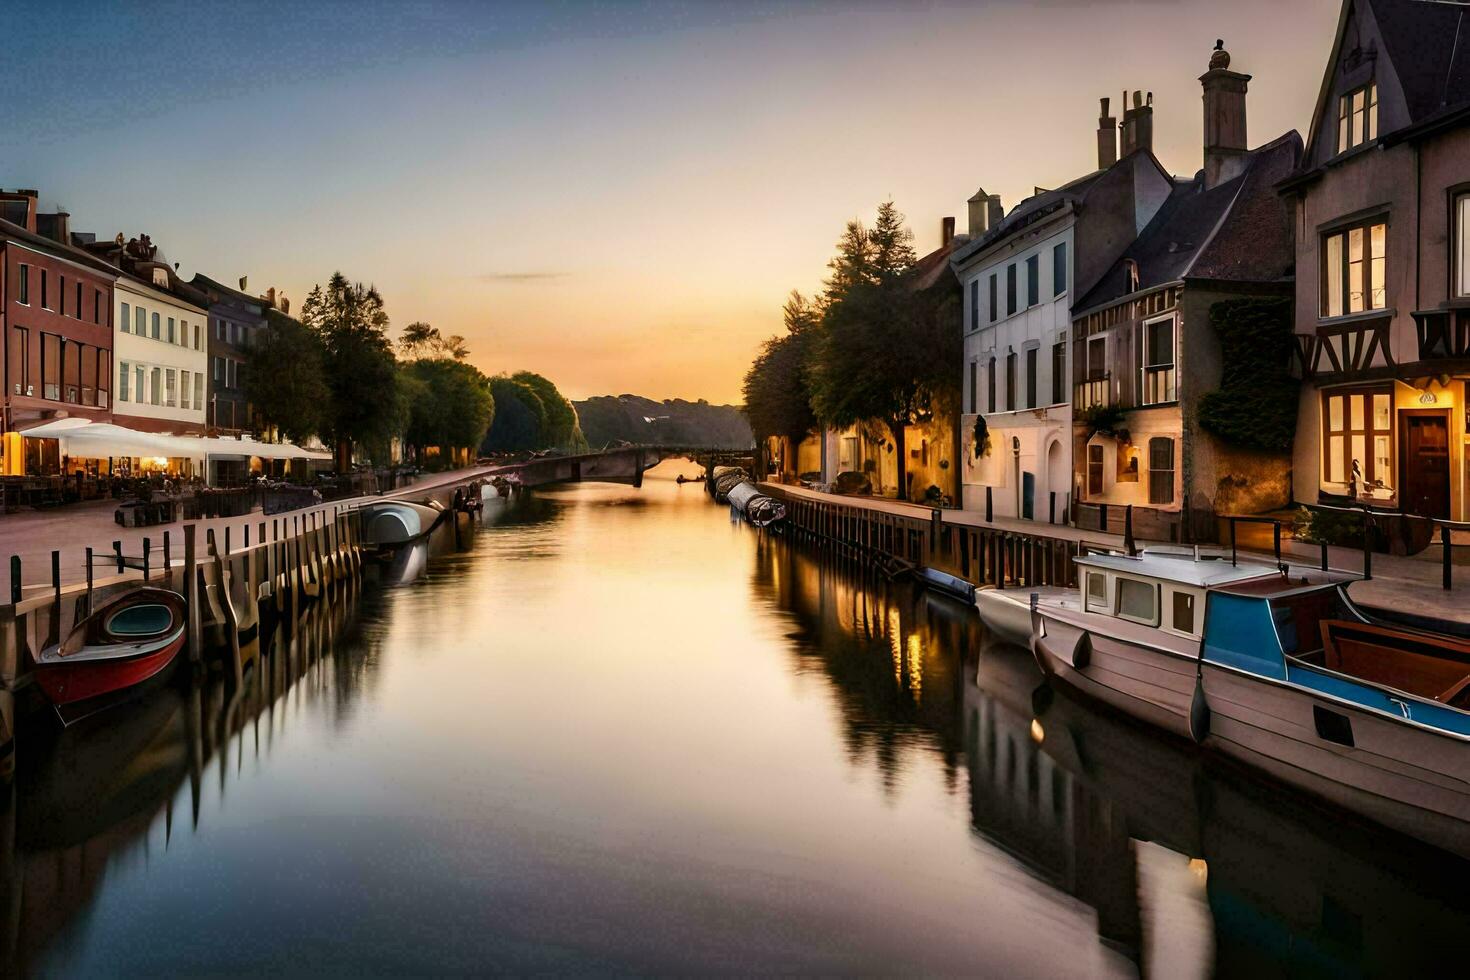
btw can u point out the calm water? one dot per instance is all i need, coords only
(618, 733)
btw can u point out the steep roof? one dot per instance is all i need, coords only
(15, 232)
(1030, 210)
(1238, 230)
(1427, 44)
(934, 267)
(207, 285)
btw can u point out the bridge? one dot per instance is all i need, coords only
(622, 464)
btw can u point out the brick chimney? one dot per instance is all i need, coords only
(1107, 136)
(1138, 124)
(946, 231)
(1225, 139)
(56, 227)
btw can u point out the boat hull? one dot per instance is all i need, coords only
(79, 690)
(1152, 685)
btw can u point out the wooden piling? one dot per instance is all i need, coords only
(191, 594)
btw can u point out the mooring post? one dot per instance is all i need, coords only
(168, 565)
(191, 592)
(1444, 544)
(1128, 543)
(247, 537)
(56, 579)
(89, 581)
(1367, 545)
(989, 510)
(227, 540)
(117, 550)
(147, 556)
(14, 579)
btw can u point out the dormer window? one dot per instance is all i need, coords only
(1357, 117)
(160, 278)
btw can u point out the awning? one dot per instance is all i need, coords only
(79, 437)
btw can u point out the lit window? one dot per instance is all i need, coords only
(1095, 469)
(1357, 117)
(183, 389)
(1354, 269)
(1158, 362)
(1358, 452)
(1462, 245)
(199, 391)
(171, 397)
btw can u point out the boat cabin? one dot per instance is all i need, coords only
(1164, 590)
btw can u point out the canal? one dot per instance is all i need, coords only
(617, 733)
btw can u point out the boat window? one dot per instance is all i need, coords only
(1183, 611)
(1138, 601)
(1097, 592)
(140, 620)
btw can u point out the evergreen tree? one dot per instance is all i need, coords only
(284, 379)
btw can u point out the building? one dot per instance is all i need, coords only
(1019, 274)
(1145, 352)
(931, 444)
(56, 325)
(1381, 208)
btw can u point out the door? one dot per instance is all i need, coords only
(1028, 496)
(1425, 466)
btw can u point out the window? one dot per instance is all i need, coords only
(1138, 601)
(157, 323)
(1182, 611)
(1158, 381)
(19, 352)
(126, 322)
(140, 321)
(1097, 592)
(23, 292)
(1058, 372)
(183, 389)
(1357, 117)
(199, 391)
(155, 388)
(171, 338)
(196, 336)
(994, 307)
(183, 333)
(1059, 269)
(89, 375)
(1033, 280)
(122, 381)
(1354, 269)
(1358, 439)
(974, 304)
(1011, 381)
(71, 371)
(974, 395)
(78, 311)
(61, 295)
(1094, 469)
(990, 386)
(1010, 288)
(1161, 470)
(138, 395)
(230, 373)
(219, 329)
(104, 376)
(51, 365)
(171, 396)
(1031, 353)
(1462, 244)
(219, 370)
(45, 300)
(97, 307)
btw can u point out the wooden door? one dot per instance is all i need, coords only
(1424, 468)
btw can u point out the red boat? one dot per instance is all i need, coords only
(107, 656)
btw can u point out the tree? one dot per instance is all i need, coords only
(452, 407)
(776, 388)
(418, 339)
(562, 430)
(284, 381)
(361, 373)
(852, 266)
(520, 418)
(886, 350)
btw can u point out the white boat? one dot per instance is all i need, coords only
(1277, 667)
(390, 523)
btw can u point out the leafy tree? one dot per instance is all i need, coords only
(777, 391)
(520, 418)
(284, 380)
(452, 407)
(418, 339)
(361, 373)
(562, 430)
(887, 350)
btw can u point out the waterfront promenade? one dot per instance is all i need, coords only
(1404, 584)
(74, 528)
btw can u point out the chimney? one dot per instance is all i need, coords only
(1225, 139)
(1107, 137)
(270, 297)
(946, 231)
(19, 208)
(56, 227)
(995, 212)
(1138, 124)
(979, 214)
(285, 304)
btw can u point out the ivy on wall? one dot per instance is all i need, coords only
(1255, 406)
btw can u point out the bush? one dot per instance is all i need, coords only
(1255, 406)
(982, 437)
(1103, 420)
(1328, 527)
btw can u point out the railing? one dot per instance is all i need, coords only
(1158, 385)
(1443, 334)
(1093, 392)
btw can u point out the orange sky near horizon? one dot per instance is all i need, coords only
(626, 210)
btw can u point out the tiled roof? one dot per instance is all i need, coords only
(41, 243)
(1238, 230)
(1430, 51)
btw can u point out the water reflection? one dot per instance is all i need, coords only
(605, 730)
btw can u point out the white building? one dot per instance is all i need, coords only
(1019, 275)
(160, 348)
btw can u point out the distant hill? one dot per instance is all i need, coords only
(675, 422)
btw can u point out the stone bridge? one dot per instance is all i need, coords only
(623, 464)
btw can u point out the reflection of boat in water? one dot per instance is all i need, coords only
(946, 584)
(390, 523)
(1279, 669)
(125, 643)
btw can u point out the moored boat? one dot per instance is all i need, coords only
(113, 652)
(390, 523)
(1278, 668)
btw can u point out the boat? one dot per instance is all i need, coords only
(1007, 612)
(1276, 667)
(947, 584)
(390, 523)
(113, 653)
(757, 508)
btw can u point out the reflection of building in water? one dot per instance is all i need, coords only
(101, 794)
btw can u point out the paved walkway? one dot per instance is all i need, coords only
(72, 528)
(1404, 584)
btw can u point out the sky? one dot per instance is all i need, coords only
(618, 195)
